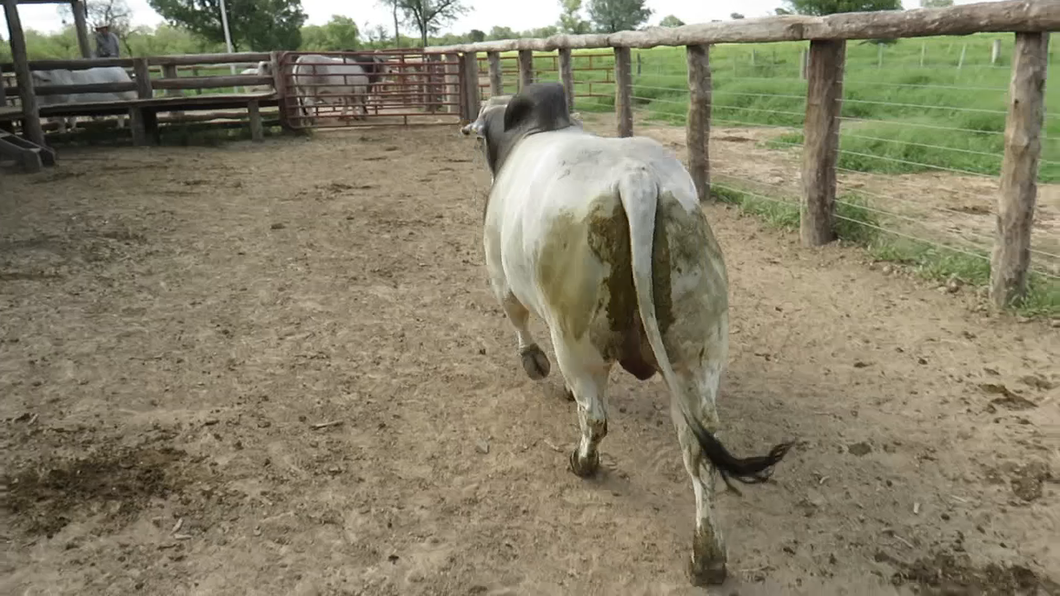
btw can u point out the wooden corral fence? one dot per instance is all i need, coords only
(506, 76)
(144, 110)
(1029, 20)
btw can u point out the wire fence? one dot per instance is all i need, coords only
(920, 149)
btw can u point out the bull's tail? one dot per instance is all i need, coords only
(639, 192)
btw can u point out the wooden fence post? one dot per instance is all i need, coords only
(496, 74)
(77, 7)
(821, 141)
(169, 71)
(142, 74)
(471, 92)
(257, 130)
(566, 74)
(1011, 256)
(526, 68)
(30, 113)
(623, 92)
(452, 83)
(698, 128)
(279, 84)
(142, 121)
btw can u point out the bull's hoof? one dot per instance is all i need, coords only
(584, 468)
(708, 573)
(535, 363)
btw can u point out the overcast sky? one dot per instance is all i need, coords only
(520, 15)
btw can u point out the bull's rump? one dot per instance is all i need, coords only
(566, 239)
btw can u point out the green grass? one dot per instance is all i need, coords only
(861, 227)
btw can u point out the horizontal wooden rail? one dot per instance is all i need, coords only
(210, 82)
(203, 59)
(178, 83)
(1007, 16)
(84, 88)
(72, 64)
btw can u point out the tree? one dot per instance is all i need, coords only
(430, 15)
(781, 11)
(826, 7)
(498, 33)
(611, 16)
(546, 31)
(374, 35)
(735, 16)
(477, 36)
(671, 21)
(935, 3)
(340, 33)
(254, 24)
(570, 18)
(395, 7)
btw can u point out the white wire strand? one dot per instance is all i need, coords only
(968, 194)
(920, 125)
(916, 163)
(912, 202)
(921, 106)
(901, 142)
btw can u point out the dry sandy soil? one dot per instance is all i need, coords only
(277, 369)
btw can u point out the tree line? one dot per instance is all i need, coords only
(194, 26)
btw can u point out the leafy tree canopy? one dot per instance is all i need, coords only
(255, 24)
(611, 16)
(827, 7)
(340, 33)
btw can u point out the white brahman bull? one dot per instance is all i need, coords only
(263, 69)
(322, 79)
(99, 74)
(605, 240)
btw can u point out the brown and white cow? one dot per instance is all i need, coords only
(605, 240)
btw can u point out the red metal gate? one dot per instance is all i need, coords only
(384, 87)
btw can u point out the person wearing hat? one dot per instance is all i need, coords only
(106, 43)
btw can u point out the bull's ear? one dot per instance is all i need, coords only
(519, 110)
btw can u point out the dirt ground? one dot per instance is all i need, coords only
(277, 369)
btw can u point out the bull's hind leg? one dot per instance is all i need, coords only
(586, 374)
(708, 564)
(535, 362)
